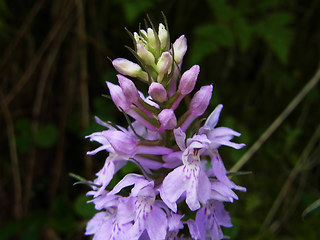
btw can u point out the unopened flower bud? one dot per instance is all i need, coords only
(145, 55)
(151, 38)
(163, 36)
(164, 64)
(188, 80)
(200, 101)
(180, 48)
(167, 120)
(129, 68)
(118, 97)
(158, 92)
(128, 88)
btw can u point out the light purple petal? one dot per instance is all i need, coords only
(192, 198)
(104, 176)
(212, 120)
(155, 150)
(220, 172)
(105, 201)
(173, 186)
(193, 229)
(126, 210)
(174, 222)
(128, 180)
(128, 88)
(102, 123)
(204, 187)
(101, 148)
(118, 96)
(156, 224)
(222, 216)
(172, 160)
(180, 137)
(95, 223)
(222, 192)
(122, 143)
(147, 163)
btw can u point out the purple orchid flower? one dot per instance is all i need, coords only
(188, 178)
(209, 220)
(148, 213)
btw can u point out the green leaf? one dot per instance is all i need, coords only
(83, 208)
(46, 136)
(209, 38)
(243, 33)
(221, 10)
(274, 30)
(313, 206)
(62, 218)
(201, 49)
(133, 8)
(23, 139)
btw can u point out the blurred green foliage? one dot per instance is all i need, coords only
(257, 54)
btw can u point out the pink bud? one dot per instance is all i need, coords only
(167, 119)
(118, 97)
(157, 92)
(180, 48)
(128, 88)
(188, 80)
(200, 101)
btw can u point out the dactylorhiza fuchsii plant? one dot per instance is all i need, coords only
(183, 183)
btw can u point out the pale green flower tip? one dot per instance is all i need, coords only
(163, 36)
(152, 42)
(164, 64)
(129, 68)
(145, 55)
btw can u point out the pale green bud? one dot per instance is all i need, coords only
(145, 55)
(129, 68)
(163, 36)
(164, 65)
(151, 39)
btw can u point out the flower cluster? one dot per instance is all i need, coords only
(181, 169)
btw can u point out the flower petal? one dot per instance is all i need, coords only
(180, 137)
(156, 224)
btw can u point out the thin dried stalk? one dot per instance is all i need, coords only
(277, 122)
(17, 206)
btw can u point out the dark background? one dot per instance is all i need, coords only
(257, 54)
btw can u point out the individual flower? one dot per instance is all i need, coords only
(148, 213)
(113, 223)
(188, 178)
(219, 136)
(122, 146)
(209, 220)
